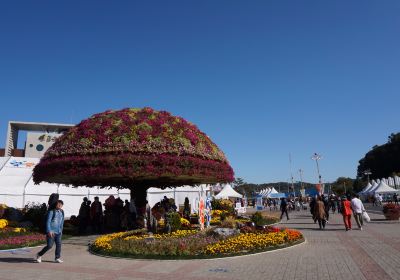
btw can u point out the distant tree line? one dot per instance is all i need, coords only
(382, 161)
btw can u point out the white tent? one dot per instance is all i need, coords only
(273, 190)
(228, 192)
(366, 189)
(18, 189)
(179, 194)
(372, 189)
(384, 188)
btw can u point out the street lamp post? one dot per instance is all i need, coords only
(367, 172)
(301, 178)
(317, 157)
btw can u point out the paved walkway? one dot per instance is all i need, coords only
(373, 253)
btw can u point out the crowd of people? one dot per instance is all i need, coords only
(321, 206)
(117, 215)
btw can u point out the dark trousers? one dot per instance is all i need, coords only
(321, 223)
(283, 212)
(50, 242)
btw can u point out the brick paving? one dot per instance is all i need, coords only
(373, 253)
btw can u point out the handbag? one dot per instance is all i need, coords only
(366, 217)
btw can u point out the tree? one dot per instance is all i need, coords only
(238, 182)
(343, 185)
(382, 160)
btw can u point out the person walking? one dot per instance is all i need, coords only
(83, 217)
(320, 212)
(346, 212)
(358, 208)
(54, 229)
(326, 205)
(96, 215)
(312, 208)
(396, 199)
(284, 208)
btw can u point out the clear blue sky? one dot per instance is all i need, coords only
(261, 78)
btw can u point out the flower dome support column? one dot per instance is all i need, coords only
(139, 195)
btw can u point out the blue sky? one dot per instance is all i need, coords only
(262, 78)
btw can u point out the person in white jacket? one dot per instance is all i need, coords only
(358, 208)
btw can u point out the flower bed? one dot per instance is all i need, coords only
(19, 241)
(391, 211)
(187, 244)
(16, 237)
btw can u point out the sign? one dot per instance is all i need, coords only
(208, 211)
(201, 213)
(20, 164)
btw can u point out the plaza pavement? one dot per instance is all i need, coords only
(373, 253)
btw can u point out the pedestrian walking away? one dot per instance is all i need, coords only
(284, 208)
(54, 228)
(358, 208)
(346, 212)
(320, 212)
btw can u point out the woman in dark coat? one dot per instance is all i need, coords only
(320, 212)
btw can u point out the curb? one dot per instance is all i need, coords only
(22, 248)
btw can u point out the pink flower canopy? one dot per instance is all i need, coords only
(133, 147)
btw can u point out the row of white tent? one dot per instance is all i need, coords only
(268, 192)
(377, 187)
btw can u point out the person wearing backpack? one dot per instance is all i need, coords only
(54, 228)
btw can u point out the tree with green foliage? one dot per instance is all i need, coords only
(343, 185)
(383, 161)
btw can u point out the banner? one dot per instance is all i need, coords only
(208, 210)
(201, 213)
(259, 202)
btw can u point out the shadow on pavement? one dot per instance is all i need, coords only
(317, 229)
(17, 260)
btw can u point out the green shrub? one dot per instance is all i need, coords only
(258, 219)
(35, 213)
(228, 222)
(174, 220)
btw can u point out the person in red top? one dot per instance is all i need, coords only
(346, 212)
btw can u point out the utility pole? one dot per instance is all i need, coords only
(318, 157)
(301, 180)
(291, 173)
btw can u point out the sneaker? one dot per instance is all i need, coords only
(38, 258)
(59, 261)
(361, 228)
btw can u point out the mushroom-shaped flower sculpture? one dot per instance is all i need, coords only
(134, 149)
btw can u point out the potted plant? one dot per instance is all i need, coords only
(391, 211)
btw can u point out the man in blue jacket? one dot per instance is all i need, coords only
(54, 228)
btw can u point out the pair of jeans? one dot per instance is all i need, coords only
(359, 219)
(50, 241)
(347, 221)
